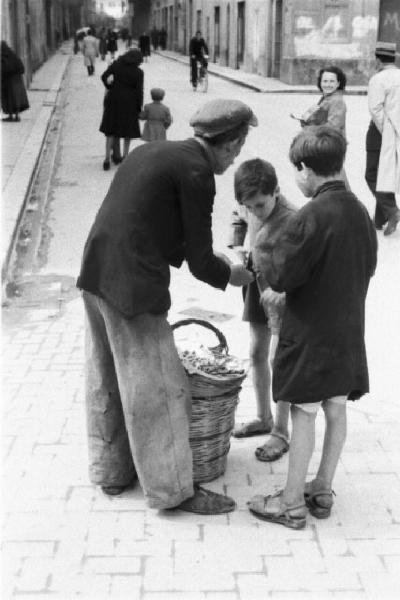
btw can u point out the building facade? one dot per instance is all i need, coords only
(34, 28)
(287, 39)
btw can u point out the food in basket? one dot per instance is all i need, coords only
(204, 360)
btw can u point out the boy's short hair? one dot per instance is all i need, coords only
(157, 94)
(252, 177)
(321, 149)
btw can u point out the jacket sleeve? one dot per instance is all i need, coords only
(197, 191)
(337, 114)
(140, 90)
(143, 115)
(376, 101)
(106, 75)
(288, 263)
(168, 118)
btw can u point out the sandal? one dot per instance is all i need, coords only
(293, 517)
(318, 503)
(267, 454)
(206, 502)
(254, 427)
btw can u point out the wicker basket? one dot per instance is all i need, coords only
(214, 400)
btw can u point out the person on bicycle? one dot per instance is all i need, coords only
(198, 51)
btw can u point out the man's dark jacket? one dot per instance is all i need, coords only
(323, 261)
(157, 213)
(198, 47)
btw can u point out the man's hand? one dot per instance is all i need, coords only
(240, 276)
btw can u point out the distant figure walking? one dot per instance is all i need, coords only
(154, 34)
(383, 138)
(14, 98)
(90, 51)
(103, 43)
(157, 116)
(123, 103)
(198, 51)
(112, 43)
(163, 38)
(144, 45)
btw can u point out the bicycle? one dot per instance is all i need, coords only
(202, 74)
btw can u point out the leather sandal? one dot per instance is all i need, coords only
(206, 502)
(293, 517)
(267, 454)
(319, 503)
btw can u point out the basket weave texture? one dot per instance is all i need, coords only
(214, 400)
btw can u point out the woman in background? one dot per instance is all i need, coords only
(14, 98)
(331, 108)
(123, 102)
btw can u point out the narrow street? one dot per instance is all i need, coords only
(61, 535)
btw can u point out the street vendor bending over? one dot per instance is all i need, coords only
(157, 213)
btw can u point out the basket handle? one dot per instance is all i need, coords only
(222, 346)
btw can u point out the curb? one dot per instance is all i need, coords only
(16, 192)
(358, 91)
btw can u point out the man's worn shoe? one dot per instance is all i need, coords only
(320, 502)
(272, 508)
(392, 223)
(205, 502)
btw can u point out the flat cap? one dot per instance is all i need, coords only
(220, 116)
(385, 49)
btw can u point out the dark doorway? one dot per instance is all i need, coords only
(228, 34)
(216, 33)
(240, 34)
(277, 49)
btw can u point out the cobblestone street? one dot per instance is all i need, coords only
(62, 537)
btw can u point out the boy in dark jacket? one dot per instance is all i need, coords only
(323, 261)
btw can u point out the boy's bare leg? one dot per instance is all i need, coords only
(277, 443)
(260, 372)
(127, 143)
(301, 449)
(334, 439)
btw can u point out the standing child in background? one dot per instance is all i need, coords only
(323, 261)
(157, 116)
(265, 213)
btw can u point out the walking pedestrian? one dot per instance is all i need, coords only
(90, 51)
(144, 46)
(112, 43)
(157, 117)
(382, 172)
(331, 107)
(157, 213)
(163, 38)
(263, 214)
(14, 99)
(123, 102)
(154, 37)
(323, 260)
(103, 43)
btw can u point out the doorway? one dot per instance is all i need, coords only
(240, 34)
(216, 33)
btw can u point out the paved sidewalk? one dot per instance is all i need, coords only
(22, 144)
(266, 85)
